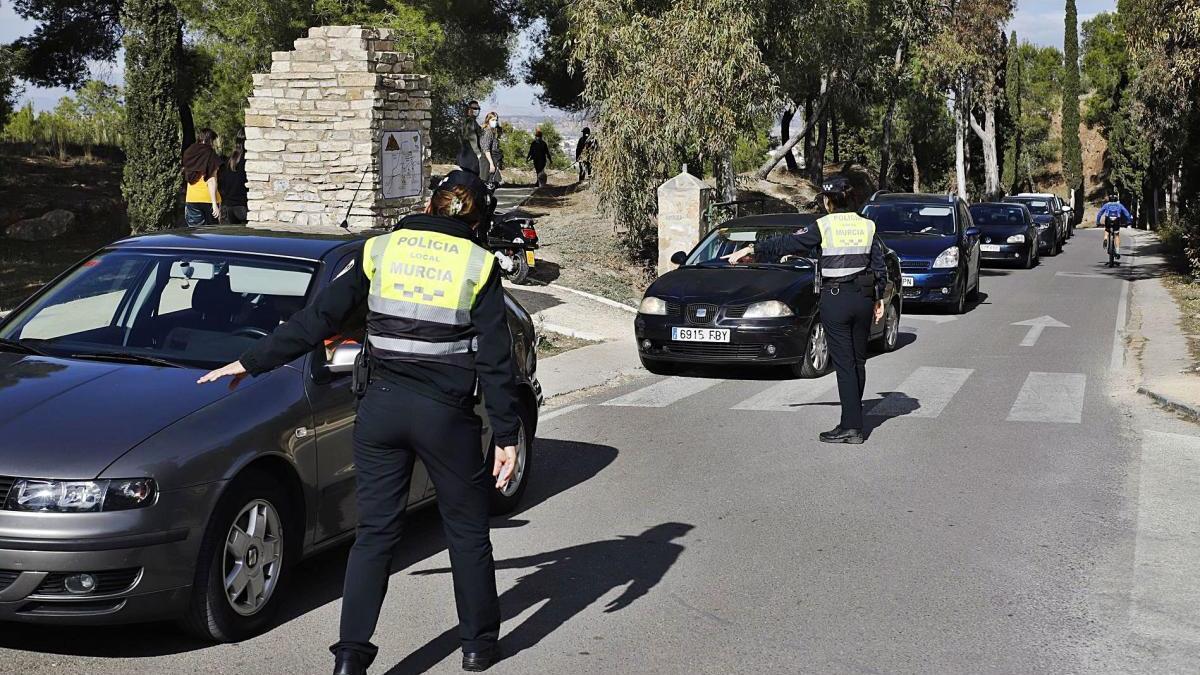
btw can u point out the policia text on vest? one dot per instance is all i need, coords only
(436, 321)
(854, 278)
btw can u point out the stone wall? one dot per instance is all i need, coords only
(316, 126)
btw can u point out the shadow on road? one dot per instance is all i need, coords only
(565, 583)
(561, 465)
(899, 403)
(544, 272)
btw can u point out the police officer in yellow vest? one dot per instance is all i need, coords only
(853, 280)
(436, 324)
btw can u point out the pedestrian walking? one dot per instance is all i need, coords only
(470, 156)
(583, 154)
(201, 164)
(492, 154)
(436, 324)
(853, 279)
(231, 184)
(539, 154)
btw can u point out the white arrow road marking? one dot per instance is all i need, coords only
(1050, 397)
(663, 393)
(1036, 326)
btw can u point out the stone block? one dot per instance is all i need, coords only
(682, 202)
(357, 80)
(310, 44)
(264, 121)
(264, 145)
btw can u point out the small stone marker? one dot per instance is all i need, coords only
(682, 202)
(342, 110)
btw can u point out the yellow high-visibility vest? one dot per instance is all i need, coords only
(845, 244)
(423, 287)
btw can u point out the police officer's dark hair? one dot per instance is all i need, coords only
(455, 201)
(839, 200)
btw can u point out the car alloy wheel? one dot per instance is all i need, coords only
(818, 349)
(253, 557)
(514, 483)
(891, 330)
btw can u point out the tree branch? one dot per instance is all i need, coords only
(818, 112)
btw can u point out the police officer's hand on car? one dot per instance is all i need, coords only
(235, 369)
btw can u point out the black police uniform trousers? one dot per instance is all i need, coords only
(395, 425)
(846, 314)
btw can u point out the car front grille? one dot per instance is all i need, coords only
(6, 483)
(701, 313)
(914, 265)
(715, 351)
(109, 581)
(7, 577)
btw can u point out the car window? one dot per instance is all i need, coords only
(725, 240)
(194, 308)
(1036, 206)
(935, 219)
(990, 216)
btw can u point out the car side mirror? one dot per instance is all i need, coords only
(1066, 210)
(678, 258)
(972, 232)
(343, 358)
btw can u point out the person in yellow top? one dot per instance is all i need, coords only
(201, 164)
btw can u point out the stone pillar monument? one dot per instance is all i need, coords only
(682, 202)
(340, 125)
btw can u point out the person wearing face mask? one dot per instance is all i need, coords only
(470, 156)
(493, 157)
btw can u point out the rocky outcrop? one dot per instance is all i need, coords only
(49, 225)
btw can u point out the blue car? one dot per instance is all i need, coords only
(937, 243)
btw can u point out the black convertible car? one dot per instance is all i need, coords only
(711, 312)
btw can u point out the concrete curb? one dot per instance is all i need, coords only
(597, 298)
(571, 332)
(1175, 405)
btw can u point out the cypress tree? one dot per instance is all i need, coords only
(152, 174)
(1072, 153)
(1013, 85)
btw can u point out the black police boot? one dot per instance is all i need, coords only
(476, 662)
(349, 662)
(840, 435)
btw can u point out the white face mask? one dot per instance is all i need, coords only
(495, 123)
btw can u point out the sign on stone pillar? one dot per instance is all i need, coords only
(682, 202)
(339, 129)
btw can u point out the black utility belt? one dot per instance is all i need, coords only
(858, 279)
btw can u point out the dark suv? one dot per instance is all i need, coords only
(937, 243)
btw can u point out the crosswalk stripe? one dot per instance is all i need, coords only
(663, 393)
(1050, 397)
(551, 414)
(787, 395)
(925, 393)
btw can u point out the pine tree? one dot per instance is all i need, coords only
(1072, 153)
(1013, 86)
(152, 176)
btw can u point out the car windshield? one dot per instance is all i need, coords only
(179, 307)
(994, 216)
(934, 219)
(1039, 207)
(725, 240)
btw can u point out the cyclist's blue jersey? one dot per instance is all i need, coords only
(1116, 210)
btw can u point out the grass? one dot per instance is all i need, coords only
(1186, 292)
(553, 344)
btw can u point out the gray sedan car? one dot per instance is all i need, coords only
(129, 493)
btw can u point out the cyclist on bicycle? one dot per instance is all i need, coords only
(1112, 215)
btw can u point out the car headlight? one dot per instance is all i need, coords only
(769, 309)
(654, 306)
(1045, 225)
(80, 496)
(948, 258)
(1017, 239)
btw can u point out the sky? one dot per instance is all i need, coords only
(1037, 21)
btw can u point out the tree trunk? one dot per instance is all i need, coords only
(816, 172)
(837, 148)
(187, 125)
(885, 150)
(818, 112)
(726, 178)
(987, 135)
(808, 137)
(960, 139)
(916, 169)
(785, 132)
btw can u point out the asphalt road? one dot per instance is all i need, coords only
(1016, 510)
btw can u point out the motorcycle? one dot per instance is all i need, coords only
(512, 237)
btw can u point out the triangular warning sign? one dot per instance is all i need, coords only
(392, 145)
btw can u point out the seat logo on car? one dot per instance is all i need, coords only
(701, 312)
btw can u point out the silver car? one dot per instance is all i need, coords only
(128, 493)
